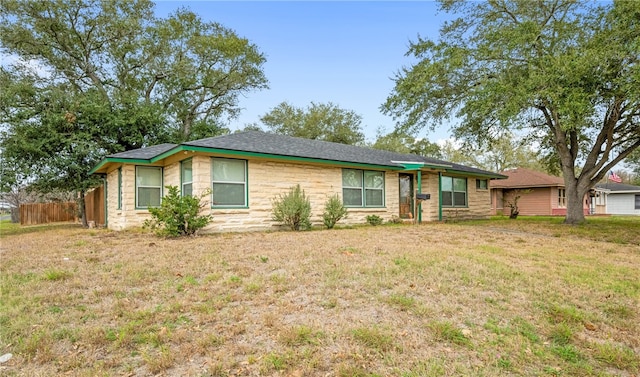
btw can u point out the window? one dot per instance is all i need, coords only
(186, 177)
(362, 188)
(148, 186)
(229, 182)
(562, 198)
(482, 184)
(454, 192)
(637, 202)
(119, 188)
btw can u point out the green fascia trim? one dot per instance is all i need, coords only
(118, 160)
(469, 174)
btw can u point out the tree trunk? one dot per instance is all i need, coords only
(15, 215)
(575, 205)
(82, 209)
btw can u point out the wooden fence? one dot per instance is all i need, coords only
(54, 212)
(94, 206)
(44, 213)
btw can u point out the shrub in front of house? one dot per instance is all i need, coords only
(178, 215)
(374, 220)
(293, 209)
(334, 211)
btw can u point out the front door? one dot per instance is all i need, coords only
(406, 196)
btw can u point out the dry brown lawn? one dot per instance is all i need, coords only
(415, 300)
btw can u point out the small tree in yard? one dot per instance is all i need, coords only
(293, 209)
(334, 211)
(513, 202)
(178, 215)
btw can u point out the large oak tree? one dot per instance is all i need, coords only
(319, 121)
(561, 72)
(96, 77)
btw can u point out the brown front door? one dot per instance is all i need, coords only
(406, 196)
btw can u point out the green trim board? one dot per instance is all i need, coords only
(439, 196)
(119, 188)
(419, 209)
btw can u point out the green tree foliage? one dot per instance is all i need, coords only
(504, 152)
(334, 211)
(405, 143)
(178, 215)
(90, 78)
(326, 122)
(633, 161)
(564, 73)
(293, 209)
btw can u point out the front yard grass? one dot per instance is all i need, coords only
(492, 298)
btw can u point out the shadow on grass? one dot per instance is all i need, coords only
(615, 229)
(7, 228)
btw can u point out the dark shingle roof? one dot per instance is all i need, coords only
(145, 153)
(280, 145)
(618, 187)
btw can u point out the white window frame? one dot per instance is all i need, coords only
(562, 198)
(243, 183)
(183, 182)
(364, 189)
(453, 192)
(138, 187)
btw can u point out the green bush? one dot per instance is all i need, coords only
(293, 209)
(178, 215)
(374, 220)
(334, 211)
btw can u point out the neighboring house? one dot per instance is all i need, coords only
(617, 199)
(540, 194)
(247, 170)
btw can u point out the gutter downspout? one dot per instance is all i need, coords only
(439, 196)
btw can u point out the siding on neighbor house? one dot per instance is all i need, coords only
(537, 201)
(622, 204)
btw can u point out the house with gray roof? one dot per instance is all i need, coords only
(617, 199)
(245, 171)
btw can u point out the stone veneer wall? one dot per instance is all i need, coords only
(268, 179)
(478, 204)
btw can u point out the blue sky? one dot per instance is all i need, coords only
(326, 51)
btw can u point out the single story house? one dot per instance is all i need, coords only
(540, 194)
(617, 199)
(245, 171)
